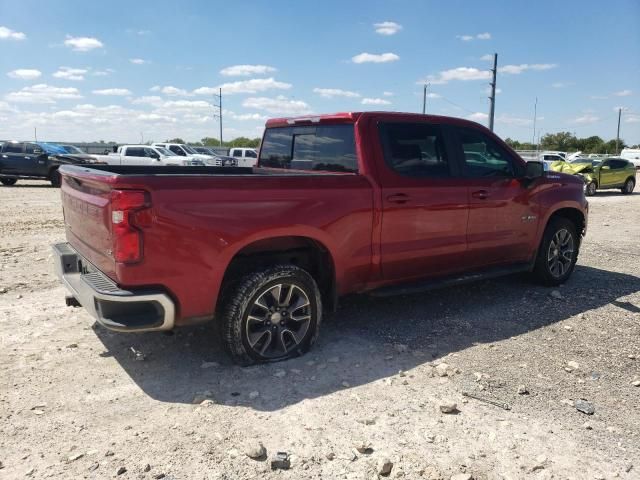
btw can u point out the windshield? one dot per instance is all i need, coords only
(52, 148)
(189, 149)
(72, 149)
(165, 152)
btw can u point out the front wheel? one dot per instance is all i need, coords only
(590, 189)
(271, 315)
(8, 182)
(55, 178)
(629, 185)
(558, 252)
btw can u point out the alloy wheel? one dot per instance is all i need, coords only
(278, 320)
(560, 254)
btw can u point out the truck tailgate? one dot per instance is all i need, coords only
(87, 218)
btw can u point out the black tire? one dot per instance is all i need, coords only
(545, 270)
(251, 296)
(8, 182)
(55, 178)
(590, 189)
(629, 185)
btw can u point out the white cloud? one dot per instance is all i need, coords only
(118, 92)
(68, 73)
(82, 44)
(487, 58)
(460, 73)
(246, 70)
(254, 85)
(478, 117)
(472, 73)
(171, 91)
(561, 84)
(598, 97)
(388, 94)
(154, 117)
(633, 118)
(279, 105)
(244, 116)
(623, 93)
(148, 100)
(138, 61)
(335, 92)
(387, 28)
(375, 58)
(479, 36)
(187, 105)
(8, 34)
(43, 93)
(103, 73)
(433, 95)
(25, 74)
(517, 69)
(375, 101)
(585, 119)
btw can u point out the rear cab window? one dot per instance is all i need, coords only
(320, 148)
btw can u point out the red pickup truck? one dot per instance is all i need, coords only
(353, 202)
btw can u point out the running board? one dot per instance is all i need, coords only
(433, 284)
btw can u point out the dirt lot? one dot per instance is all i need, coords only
(76, 402)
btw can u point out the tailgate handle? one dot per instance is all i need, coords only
(400, 198)
(481, 194)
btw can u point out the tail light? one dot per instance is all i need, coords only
(130, 210)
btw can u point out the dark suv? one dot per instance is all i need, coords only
(36, 160)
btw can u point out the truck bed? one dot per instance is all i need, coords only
(199, 218)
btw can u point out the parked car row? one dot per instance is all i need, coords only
(41, 160)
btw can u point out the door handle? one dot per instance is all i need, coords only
(27, 158)
(398, 198)
(5, 156)
(481, 194)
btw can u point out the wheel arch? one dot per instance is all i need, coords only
(307, 252)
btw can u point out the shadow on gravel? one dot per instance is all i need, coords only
(356, 344)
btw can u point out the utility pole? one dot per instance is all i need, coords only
(218, 106)
(424, 99)
(535, 116)
(618, 134)
(492, 111)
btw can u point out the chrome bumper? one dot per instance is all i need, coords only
(114, 308)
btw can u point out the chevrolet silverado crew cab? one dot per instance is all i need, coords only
(375, 202)
(36, 161)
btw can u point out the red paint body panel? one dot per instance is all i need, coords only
(199, 223)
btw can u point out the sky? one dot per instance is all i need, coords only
(130, 71)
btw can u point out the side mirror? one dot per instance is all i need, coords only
(534, 170)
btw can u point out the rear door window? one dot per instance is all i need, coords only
(320, 148)
(13, 148)
(414, 149)
(250, 154)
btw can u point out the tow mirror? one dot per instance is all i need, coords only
(534, 170)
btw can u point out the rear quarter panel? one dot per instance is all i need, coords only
(200, 223)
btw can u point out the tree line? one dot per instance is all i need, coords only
(568, 142)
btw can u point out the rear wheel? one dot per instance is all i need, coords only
(271, 315)
(55, 179)
(590, 189)
(629, 185)
(8, 181)
(557, 253)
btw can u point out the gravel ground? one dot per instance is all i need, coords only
(76, 401)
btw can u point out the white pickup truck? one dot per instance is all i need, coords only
(246, 157)
(186, 151)
(147, 155)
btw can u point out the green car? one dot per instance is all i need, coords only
(610, 173)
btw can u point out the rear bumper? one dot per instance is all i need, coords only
(114, 308)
